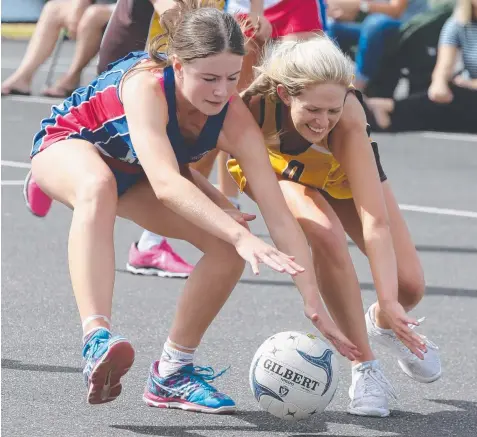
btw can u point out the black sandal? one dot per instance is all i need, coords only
(15, 92)
(63, 94)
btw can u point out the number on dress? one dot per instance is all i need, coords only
(294, 170)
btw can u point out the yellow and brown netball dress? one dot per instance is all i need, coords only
(155, 26)
(132, 25)
(313, 166)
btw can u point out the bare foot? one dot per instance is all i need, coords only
(56, 91)
(382, 110)
(12, 86)
(63, 87)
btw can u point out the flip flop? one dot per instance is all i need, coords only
(15, 92)
(62, 94)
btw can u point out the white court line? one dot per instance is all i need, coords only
(439, 211)
(61, 67)
(403, 207)
(16, 164)
(34, 99)
(450, 136)
(13, 183)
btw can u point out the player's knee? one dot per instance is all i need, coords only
(233, 259)
(97, 192)
(411, 286)
(330, 242)
(225, 253)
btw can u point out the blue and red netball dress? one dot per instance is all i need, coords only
(95, 114)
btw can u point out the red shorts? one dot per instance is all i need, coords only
(291, 16)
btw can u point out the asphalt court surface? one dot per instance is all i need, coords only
(42, 386)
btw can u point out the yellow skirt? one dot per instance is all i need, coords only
(312, 168)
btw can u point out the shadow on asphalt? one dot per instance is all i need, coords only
(460, 423)
(18, 365)
(430, 290)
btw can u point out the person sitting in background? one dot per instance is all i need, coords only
(380, 25)
(450, 104)
(84, 21)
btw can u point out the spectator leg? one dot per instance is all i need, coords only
(345, 34)
(377, 31)
(90, 32)
(53, 17)
(419, 113)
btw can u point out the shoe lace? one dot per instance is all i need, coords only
(200, 377)
(167, 248)
(374, 380)
(92, 346)
(206, 373)
(427, 342)
(177, 258)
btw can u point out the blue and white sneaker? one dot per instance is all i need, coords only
(187, 389)
(107, 360)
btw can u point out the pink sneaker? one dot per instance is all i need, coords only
(37, 202)
(160, 260)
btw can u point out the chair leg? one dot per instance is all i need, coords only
(54, 58)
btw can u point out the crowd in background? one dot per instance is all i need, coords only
(431, 44)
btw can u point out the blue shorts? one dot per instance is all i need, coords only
(124, 180)
(126, 175)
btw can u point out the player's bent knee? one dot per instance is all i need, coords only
(224, 252)
(329, 242)
(412, 285)
(98, 191)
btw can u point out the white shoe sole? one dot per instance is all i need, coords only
(189, 407)
(364, 411)
(149, 271)
(420, 378)
(25, 195)
(368, 412)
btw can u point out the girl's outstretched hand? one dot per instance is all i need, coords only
(401, 324)
(255, 251)
(331, 332)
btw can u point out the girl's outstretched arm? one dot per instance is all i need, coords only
(146, 110)
(242, 138)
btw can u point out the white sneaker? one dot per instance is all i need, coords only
(369, 391)
(427, 370)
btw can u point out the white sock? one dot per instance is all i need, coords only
(90, 333)
(88, 320)
(173, 359)
(373, 363)
(148, 240)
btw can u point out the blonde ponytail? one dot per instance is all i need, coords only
(297, 64)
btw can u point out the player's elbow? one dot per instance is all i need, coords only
(165, 186)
